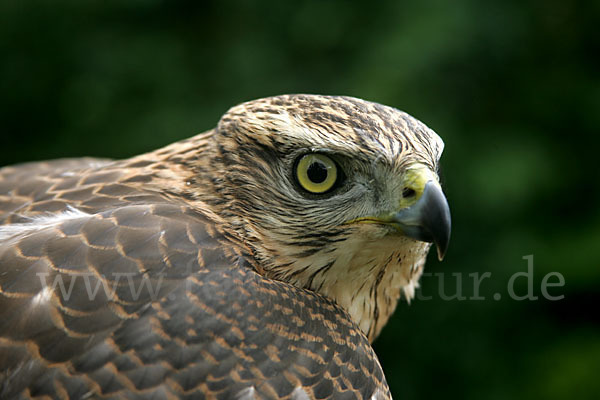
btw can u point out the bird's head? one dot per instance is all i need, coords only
(336, 195)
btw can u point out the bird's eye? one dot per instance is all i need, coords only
(316, 173)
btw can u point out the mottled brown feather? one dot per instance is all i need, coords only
(231, 314)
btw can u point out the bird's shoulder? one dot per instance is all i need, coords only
(109, 288)
(87, 184)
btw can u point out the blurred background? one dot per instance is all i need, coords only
(512, 87)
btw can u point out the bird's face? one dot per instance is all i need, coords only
(336, 195)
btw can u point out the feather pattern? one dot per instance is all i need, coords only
(200, 270)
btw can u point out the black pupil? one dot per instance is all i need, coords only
(317, 172)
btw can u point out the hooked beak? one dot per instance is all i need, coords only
(428, 219)
(423, 215)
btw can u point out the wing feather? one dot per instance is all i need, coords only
(131, 294)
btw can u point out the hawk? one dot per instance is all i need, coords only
(257, 260)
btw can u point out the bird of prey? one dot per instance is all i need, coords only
(257, 260)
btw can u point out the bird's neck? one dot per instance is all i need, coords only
(370, 277)
(365, 276)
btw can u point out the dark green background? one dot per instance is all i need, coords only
(513, 88)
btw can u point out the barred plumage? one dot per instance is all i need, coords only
(205, 270)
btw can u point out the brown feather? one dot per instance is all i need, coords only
(240, 289)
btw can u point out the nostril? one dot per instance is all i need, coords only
(408, 192)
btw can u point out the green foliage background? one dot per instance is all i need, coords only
(513, 87)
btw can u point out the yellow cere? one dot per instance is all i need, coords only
(316, 173)
(415, 178)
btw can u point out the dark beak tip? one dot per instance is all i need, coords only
(441, 249)
(439, 221)
(443, 240)
(429, 219)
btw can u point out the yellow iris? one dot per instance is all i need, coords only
(316, 173)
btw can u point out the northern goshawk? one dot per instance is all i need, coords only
(257, 260)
